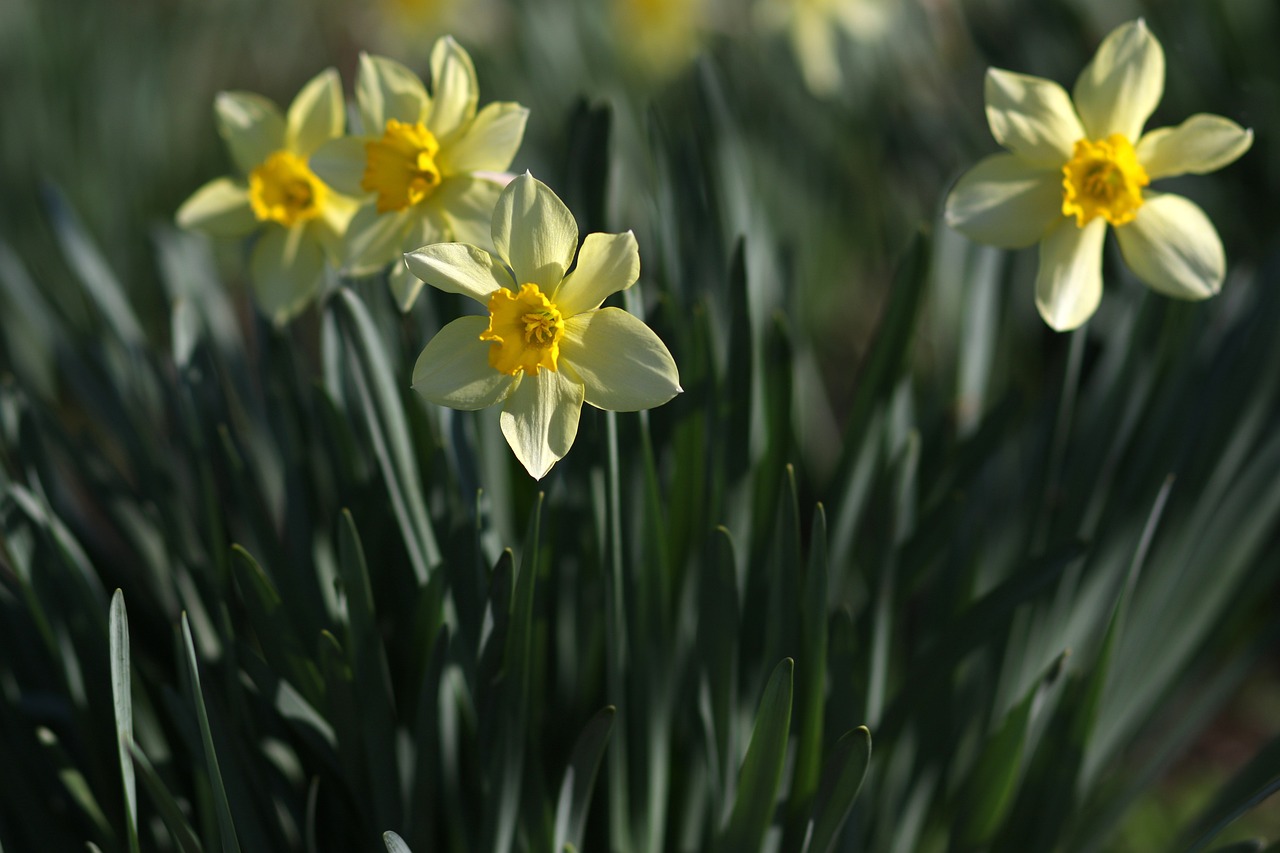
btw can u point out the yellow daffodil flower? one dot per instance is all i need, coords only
(814, 28)
(658, 37)
(544, 346)
(1074, 168)
(427, 167)
(300, 219)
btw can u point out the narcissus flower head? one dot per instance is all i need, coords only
(428, 167)
(1078, 164)
(300, 219)
(544, 345)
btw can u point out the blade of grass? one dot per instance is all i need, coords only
(842, 778)
(580, 778)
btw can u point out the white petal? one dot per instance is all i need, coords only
(487, 144)
(385, 89)
(540, 419)
(220, 207)
(453, 369)
(1119, 89)
(454, 91)
(1069, 281)
(316, 114)
(287, 270)
(459, 268)
(607, 263)
(623, 364)
(1202, 143)
(340, 164)
(1173, 247)
(1032, 117)
(534, 233)
(465, 206)
(252, 127)
(374, 239)
(1005, 201)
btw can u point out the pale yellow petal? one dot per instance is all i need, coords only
(489, 143)
(453, 369)
(454, 90)
(316, 114)
(1174, 248)
(1119, 89)
(540, 419)
(459, 268)
(374, 239)
(385, 89)
(1203, 143)
(1069, 281)
(623, 365)
(465, 204)
(252, 127)
(340, 164)
(814, 42)
(221, 208)
(1005, 201)
(607, 263)
(1032, 117)
(287, 271)
(534, 233)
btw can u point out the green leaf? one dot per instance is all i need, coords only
(990, 789)
(226, 825)
(580, 778)
(811, 678)
(170, 812)
(123, 701)
(395, 844)
(371, 676)
(509, 751)
(842, 777)
(762, 767)
(375, 381)
(1225, 809)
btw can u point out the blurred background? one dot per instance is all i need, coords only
(825, 133)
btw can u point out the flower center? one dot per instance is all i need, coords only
(283, 189)
(525, 328)
(401, 166)
(1103, 178)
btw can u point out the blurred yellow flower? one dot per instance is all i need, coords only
(814, 28)
(300, 219)
(1075, 167)
(427, 167)
(660, 37)
(546, 346)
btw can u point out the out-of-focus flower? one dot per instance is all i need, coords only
(546, 345)
(814, 28)
(300, 219)
(659, 37)
(1074, 168)
(427, 167)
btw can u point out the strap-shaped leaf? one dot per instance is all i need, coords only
(122, 699)
(762, 768)
(841, 780)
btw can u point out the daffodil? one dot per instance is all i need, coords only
(299, 218)
(427, 167)
(1073, 168)
(544, 345)
(814, 28)
(658, 37)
